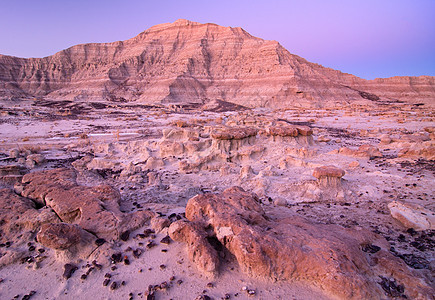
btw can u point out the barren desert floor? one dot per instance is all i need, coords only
(154, 158)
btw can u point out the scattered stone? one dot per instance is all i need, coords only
(391, 288)
(116, 258)
(114, 285)
(29, 295)
(69, 269)
(370, 248)
(166, 240)
(125, 235)
(203, 297)
(137, 253)
(150, 245)
(106, 282)
(100, 242)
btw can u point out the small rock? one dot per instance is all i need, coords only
(106, 282)
(100, 242)
(166, 240)
(69, 269)
(150, 244)
(114, 285)
(124, 236)
(137, 253)
(370, 248)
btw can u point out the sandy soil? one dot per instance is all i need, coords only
(119, 135)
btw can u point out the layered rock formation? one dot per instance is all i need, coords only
(188, 62)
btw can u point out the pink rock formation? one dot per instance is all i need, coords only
(189, 62)
(288, 248)
(95, 209)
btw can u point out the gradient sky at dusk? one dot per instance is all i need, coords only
(367, 38)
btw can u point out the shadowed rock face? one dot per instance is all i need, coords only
(188, 62)
(288, 248)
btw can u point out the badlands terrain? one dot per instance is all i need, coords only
(195, 161)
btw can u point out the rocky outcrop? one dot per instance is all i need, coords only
(95, 209)
(289, 247)
(189, 62)
(363, 151)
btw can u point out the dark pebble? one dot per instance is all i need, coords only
(40, 250)
(29, 295)
(125, 235)
(69, 269)
(126, 261)
(227, 296)
(391, 288)
(106, 282)
(166, 240)
(148, 232)
(83, 277)
(150, 244)
(137, 253)
(32, 248)
(401, 238)
(164, 285)
(107, 275)
(89, 270)
(123, 283)
(113, 268)
(114, 285)
(100, 242)
(162, 267)
(116, 258)
(370, 248)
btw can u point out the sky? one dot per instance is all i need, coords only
(367, 38)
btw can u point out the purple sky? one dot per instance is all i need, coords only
(367, 38)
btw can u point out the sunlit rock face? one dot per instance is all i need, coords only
(189, 62)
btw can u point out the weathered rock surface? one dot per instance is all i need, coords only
(70, 240)
(363, 151)
(95, 209)
(289, 247)
(412, 216)
(189, 62)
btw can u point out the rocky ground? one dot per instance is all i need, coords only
(334, 203)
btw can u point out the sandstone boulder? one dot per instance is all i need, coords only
(328, 176)
(200, 251)
(328, 171)
(412, 215)
(364, 151)
(95, 209)
(281, 130)
(59, 236)
(287, 247)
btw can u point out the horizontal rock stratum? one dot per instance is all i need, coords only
(189, 62)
